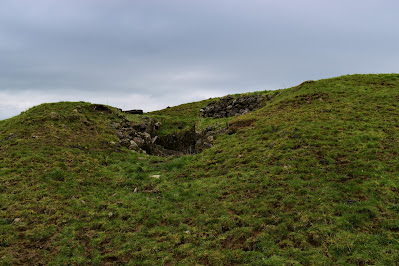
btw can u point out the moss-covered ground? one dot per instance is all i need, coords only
(310, 178)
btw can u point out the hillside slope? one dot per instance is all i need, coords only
(312, 177)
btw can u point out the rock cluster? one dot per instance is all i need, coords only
(143, 138)
(205, 138)
(133, 112)
(138, 137)
(230, 106)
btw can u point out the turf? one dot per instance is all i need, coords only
(310, 178)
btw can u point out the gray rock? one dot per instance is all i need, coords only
(120, 134)
(157, 125)
(124, 142)
(206, 145)
(146, 136)
(230, 106)
(134, 112)
(133, 146)
(139, 141)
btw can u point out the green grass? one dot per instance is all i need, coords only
(311, 178)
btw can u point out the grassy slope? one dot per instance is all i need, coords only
(310, 178)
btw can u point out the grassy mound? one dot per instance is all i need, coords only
(310, 178)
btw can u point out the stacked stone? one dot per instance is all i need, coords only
(230, 106)
(137, 137)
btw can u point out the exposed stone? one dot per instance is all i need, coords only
(143, 138)
(203, 146)
(211, 133)
(230, 106)
(120, 134)
(205, 138)
(139, 141)
(133, 146)
(124, 142)
(157, 125)
(134, 112)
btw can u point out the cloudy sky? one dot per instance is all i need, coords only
(149, 54)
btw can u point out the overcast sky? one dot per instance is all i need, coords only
(149, 54)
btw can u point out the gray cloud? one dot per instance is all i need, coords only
(170, 52)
